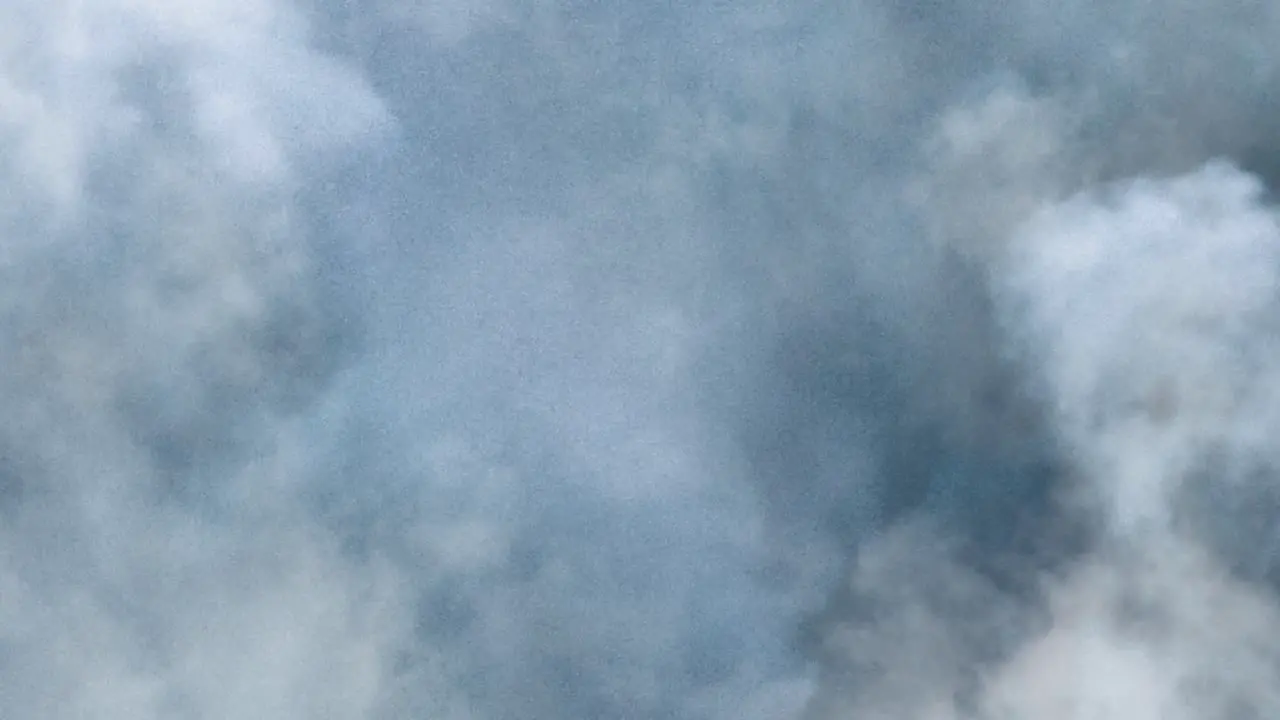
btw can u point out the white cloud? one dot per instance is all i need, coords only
(157, 305)
(1145, 313)
(1150, 312)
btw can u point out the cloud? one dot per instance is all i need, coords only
(1151, 314)
(1145, 310)
(469, 361)
(163, 327)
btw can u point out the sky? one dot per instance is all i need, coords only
(482, 360)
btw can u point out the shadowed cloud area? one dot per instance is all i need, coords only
(481, 360)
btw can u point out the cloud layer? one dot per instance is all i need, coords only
(478, 360)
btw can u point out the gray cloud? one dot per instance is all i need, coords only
(475, 360)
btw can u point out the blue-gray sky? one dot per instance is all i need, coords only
(503, 361)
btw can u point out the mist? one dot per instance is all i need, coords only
(487, 361)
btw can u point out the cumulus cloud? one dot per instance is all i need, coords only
(1146, 310)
